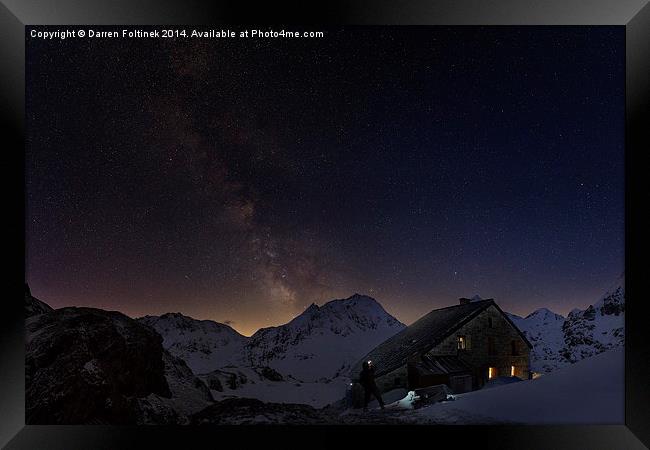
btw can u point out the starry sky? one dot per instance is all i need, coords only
(242, 180)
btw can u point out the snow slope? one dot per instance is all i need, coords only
(323, 342)
(203, 344)
(249, 382)
(588, 392)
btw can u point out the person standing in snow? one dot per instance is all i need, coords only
(367, 380)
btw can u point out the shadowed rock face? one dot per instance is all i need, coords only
(253, 411)
(248, 411)
(85, 365)
(34, 306)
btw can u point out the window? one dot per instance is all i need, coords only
(492, 372)
(512, 371)
(489, 322)
(491, 347)
(515, 348)
(398, 381)
(463, 343)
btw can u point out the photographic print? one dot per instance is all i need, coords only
(335, 226)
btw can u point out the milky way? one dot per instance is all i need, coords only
(242, 180)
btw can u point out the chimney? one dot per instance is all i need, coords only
(464, 301)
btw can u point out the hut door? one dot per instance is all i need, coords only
(413, 376)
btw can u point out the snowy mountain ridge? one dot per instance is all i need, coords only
(558, 341)
(323, 342)
(202, 344)
(319, 344)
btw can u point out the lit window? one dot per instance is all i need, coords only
(462, 343)
(492, 372)
(512, 371)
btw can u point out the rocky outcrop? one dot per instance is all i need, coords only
(598, 328)
(244, 411)
(85, 365)
(189, 395)
(34, 306)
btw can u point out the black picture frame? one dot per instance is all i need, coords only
(634, 15)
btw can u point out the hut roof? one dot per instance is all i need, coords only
(425, 333)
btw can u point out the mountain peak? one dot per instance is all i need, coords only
(174, 314)
(357, 296)
(545, 313)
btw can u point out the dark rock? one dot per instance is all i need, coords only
(221, 378)
(253, 411)
(34, 306)
(85, 365)
(188, 395)
(214, 383)
(270, 374)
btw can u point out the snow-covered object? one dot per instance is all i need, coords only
(591, 391)
(203, 344)
(322, 342)
(408, 402)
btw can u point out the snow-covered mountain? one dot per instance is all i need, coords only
(319, 344)
(323, 342)
(559, 341)
(543, 328)
(203, 344)
(596, 329)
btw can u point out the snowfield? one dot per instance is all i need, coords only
(591, 391)
(315, 394)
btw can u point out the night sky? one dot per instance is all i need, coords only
(241, 180)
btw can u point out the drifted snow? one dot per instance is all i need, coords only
(588, 392)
